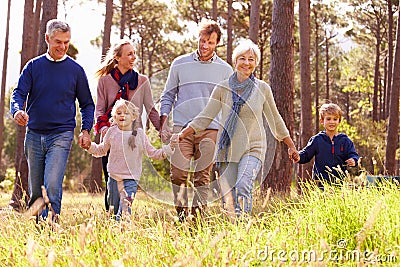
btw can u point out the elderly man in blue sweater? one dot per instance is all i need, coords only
(191, 79)
(49, 86)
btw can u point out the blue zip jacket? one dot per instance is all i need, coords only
(50, 90)
(328, 153)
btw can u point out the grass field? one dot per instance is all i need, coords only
(338, 227)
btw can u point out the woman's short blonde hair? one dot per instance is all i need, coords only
(243, 47)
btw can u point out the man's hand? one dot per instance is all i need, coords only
(165, 131)
(21, 118)
(84, 139)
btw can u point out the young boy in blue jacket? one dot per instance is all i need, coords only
(332, 150)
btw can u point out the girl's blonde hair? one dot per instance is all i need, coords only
(109, 60)
(134, 111)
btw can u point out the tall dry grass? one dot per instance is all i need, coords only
(342, 226)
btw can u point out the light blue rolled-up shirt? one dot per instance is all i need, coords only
(189, 86)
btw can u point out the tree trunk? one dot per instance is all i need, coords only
(271, 141)
(19, 197)
(375, 107)
(142, 46)
(305, 80)
(316, 72)
(390, 58)
(326, 66)
(282, 84)
(392, 140)
(254, 20)
(261, 65)
(50, 10)
(123, 19)
(3, 82)
(27, 51)
(36, 25)
(94, 181)
(107, 27)
(229, 49)
(214, 10)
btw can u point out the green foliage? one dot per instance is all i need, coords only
(72, 51)
(155, 174)
(368, 137)
(194, 10)
(367, 17)
(370, 141)
(150, 22)
(7, 182)
(331, 228)
(350, 130)
(9, 140)
(9, 135)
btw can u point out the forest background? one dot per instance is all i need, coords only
(304, 59)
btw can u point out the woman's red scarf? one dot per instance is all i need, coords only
(127, 82)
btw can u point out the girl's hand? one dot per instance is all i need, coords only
(165, 135)
(174, 140)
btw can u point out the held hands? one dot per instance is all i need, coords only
(292, 151)
(165, 131)
(174, 140)
(293, 154)
(21, 118)
(178, 137)
(84, 139)
(165, 134)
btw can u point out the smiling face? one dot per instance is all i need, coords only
(124, 119)
(58, 43)
(331, 123)
(126, 61)
(207, 44)
(245, 64)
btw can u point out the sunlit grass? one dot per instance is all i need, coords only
(317, 228)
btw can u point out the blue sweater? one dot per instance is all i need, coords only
(328, 154)
(50, 90)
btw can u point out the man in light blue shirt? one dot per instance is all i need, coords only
(190, 81)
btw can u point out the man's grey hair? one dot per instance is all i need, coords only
(57, 25)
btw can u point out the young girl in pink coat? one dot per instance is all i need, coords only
(127, 145)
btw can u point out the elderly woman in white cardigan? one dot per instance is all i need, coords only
(241, 147)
